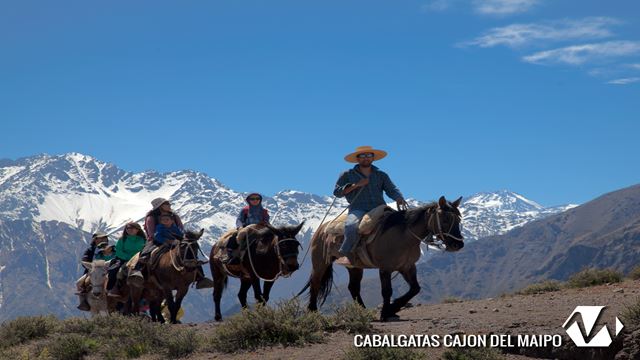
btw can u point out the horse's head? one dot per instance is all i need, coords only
(447, 224)
(189, 248)
(97, 274)
(288, 246)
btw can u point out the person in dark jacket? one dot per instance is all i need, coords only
(251, 214)
(131, 242)
(88, 256)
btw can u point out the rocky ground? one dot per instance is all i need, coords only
(510, 314)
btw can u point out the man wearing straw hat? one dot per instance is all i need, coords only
(363, 186)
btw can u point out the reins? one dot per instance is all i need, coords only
(280, 260)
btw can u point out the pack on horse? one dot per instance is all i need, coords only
(395, 247)
(176, 269)
(271, 252)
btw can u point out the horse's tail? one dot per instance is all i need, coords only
(305, 288)
(326, 284)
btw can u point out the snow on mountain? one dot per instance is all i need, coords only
(495, 213)
(91, 195)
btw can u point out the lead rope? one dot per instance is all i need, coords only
(280, 260)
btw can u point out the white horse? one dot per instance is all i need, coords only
(97, 297)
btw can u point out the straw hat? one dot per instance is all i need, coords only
(377, 154)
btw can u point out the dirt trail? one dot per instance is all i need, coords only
(518, 314)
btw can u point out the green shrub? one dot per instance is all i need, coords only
(382, 353)
(286, 324)
(71, 347)
(635, 273)
(181, 342)
(352, 318)
(24, 329)
(451, 300)
(539, 288)
(472, 354)
(592, 277)
(119, 336)
(631, 315)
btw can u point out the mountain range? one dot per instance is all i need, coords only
(49, 206)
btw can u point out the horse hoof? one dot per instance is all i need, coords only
(387, 318)
(218, 318)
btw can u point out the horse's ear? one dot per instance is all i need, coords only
(87, 265)
(442, 202)
(457, 202)
(273, 229)
(200, 233)
(298, 228)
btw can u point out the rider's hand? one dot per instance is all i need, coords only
(363, 182)
(402, 204)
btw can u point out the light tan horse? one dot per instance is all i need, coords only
(97, 298)
(395, 248)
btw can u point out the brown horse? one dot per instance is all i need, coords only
(271, 252)
(395, 248)
(176, 270)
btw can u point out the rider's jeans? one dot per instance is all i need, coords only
(351, 230)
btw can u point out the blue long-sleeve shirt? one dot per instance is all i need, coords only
(164, 233)
(371, 195)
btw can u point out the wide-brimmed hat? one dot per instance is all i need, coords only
(377, 154)
(99, 234)
(104, 245)
(157, 202)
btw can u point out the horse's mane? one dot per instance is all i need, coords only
(406, 218)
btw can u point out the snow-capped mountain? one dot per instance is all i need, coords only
(495, 213)
(49, 206)
(93, 195)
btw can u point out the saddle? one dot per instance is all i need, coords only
(368, 230)
(236, 270)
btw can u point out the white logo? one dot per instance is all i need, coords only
(589, 316)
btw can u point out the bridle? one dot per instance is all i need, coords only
(440, 234)
(281, 259)
(191, 247)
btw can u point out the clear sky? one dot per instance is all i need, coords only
(536, 96)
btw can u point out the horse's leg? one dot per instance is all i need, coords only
(218, 288)
(168, 296)
(245, 285)
(387, 291)
(355, 277)
(180, 294)
(266, 290)
(257, 292)
(411, 278)
(155, 309)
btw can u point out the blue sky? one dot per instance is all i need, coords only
(535, 96)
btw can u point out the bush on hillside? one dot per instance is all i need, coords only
(593, 277)
(24, 329)
(539, 288)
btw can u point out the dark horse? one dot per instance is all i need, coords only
(176, 270)
(271, 252)
(396, 248)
